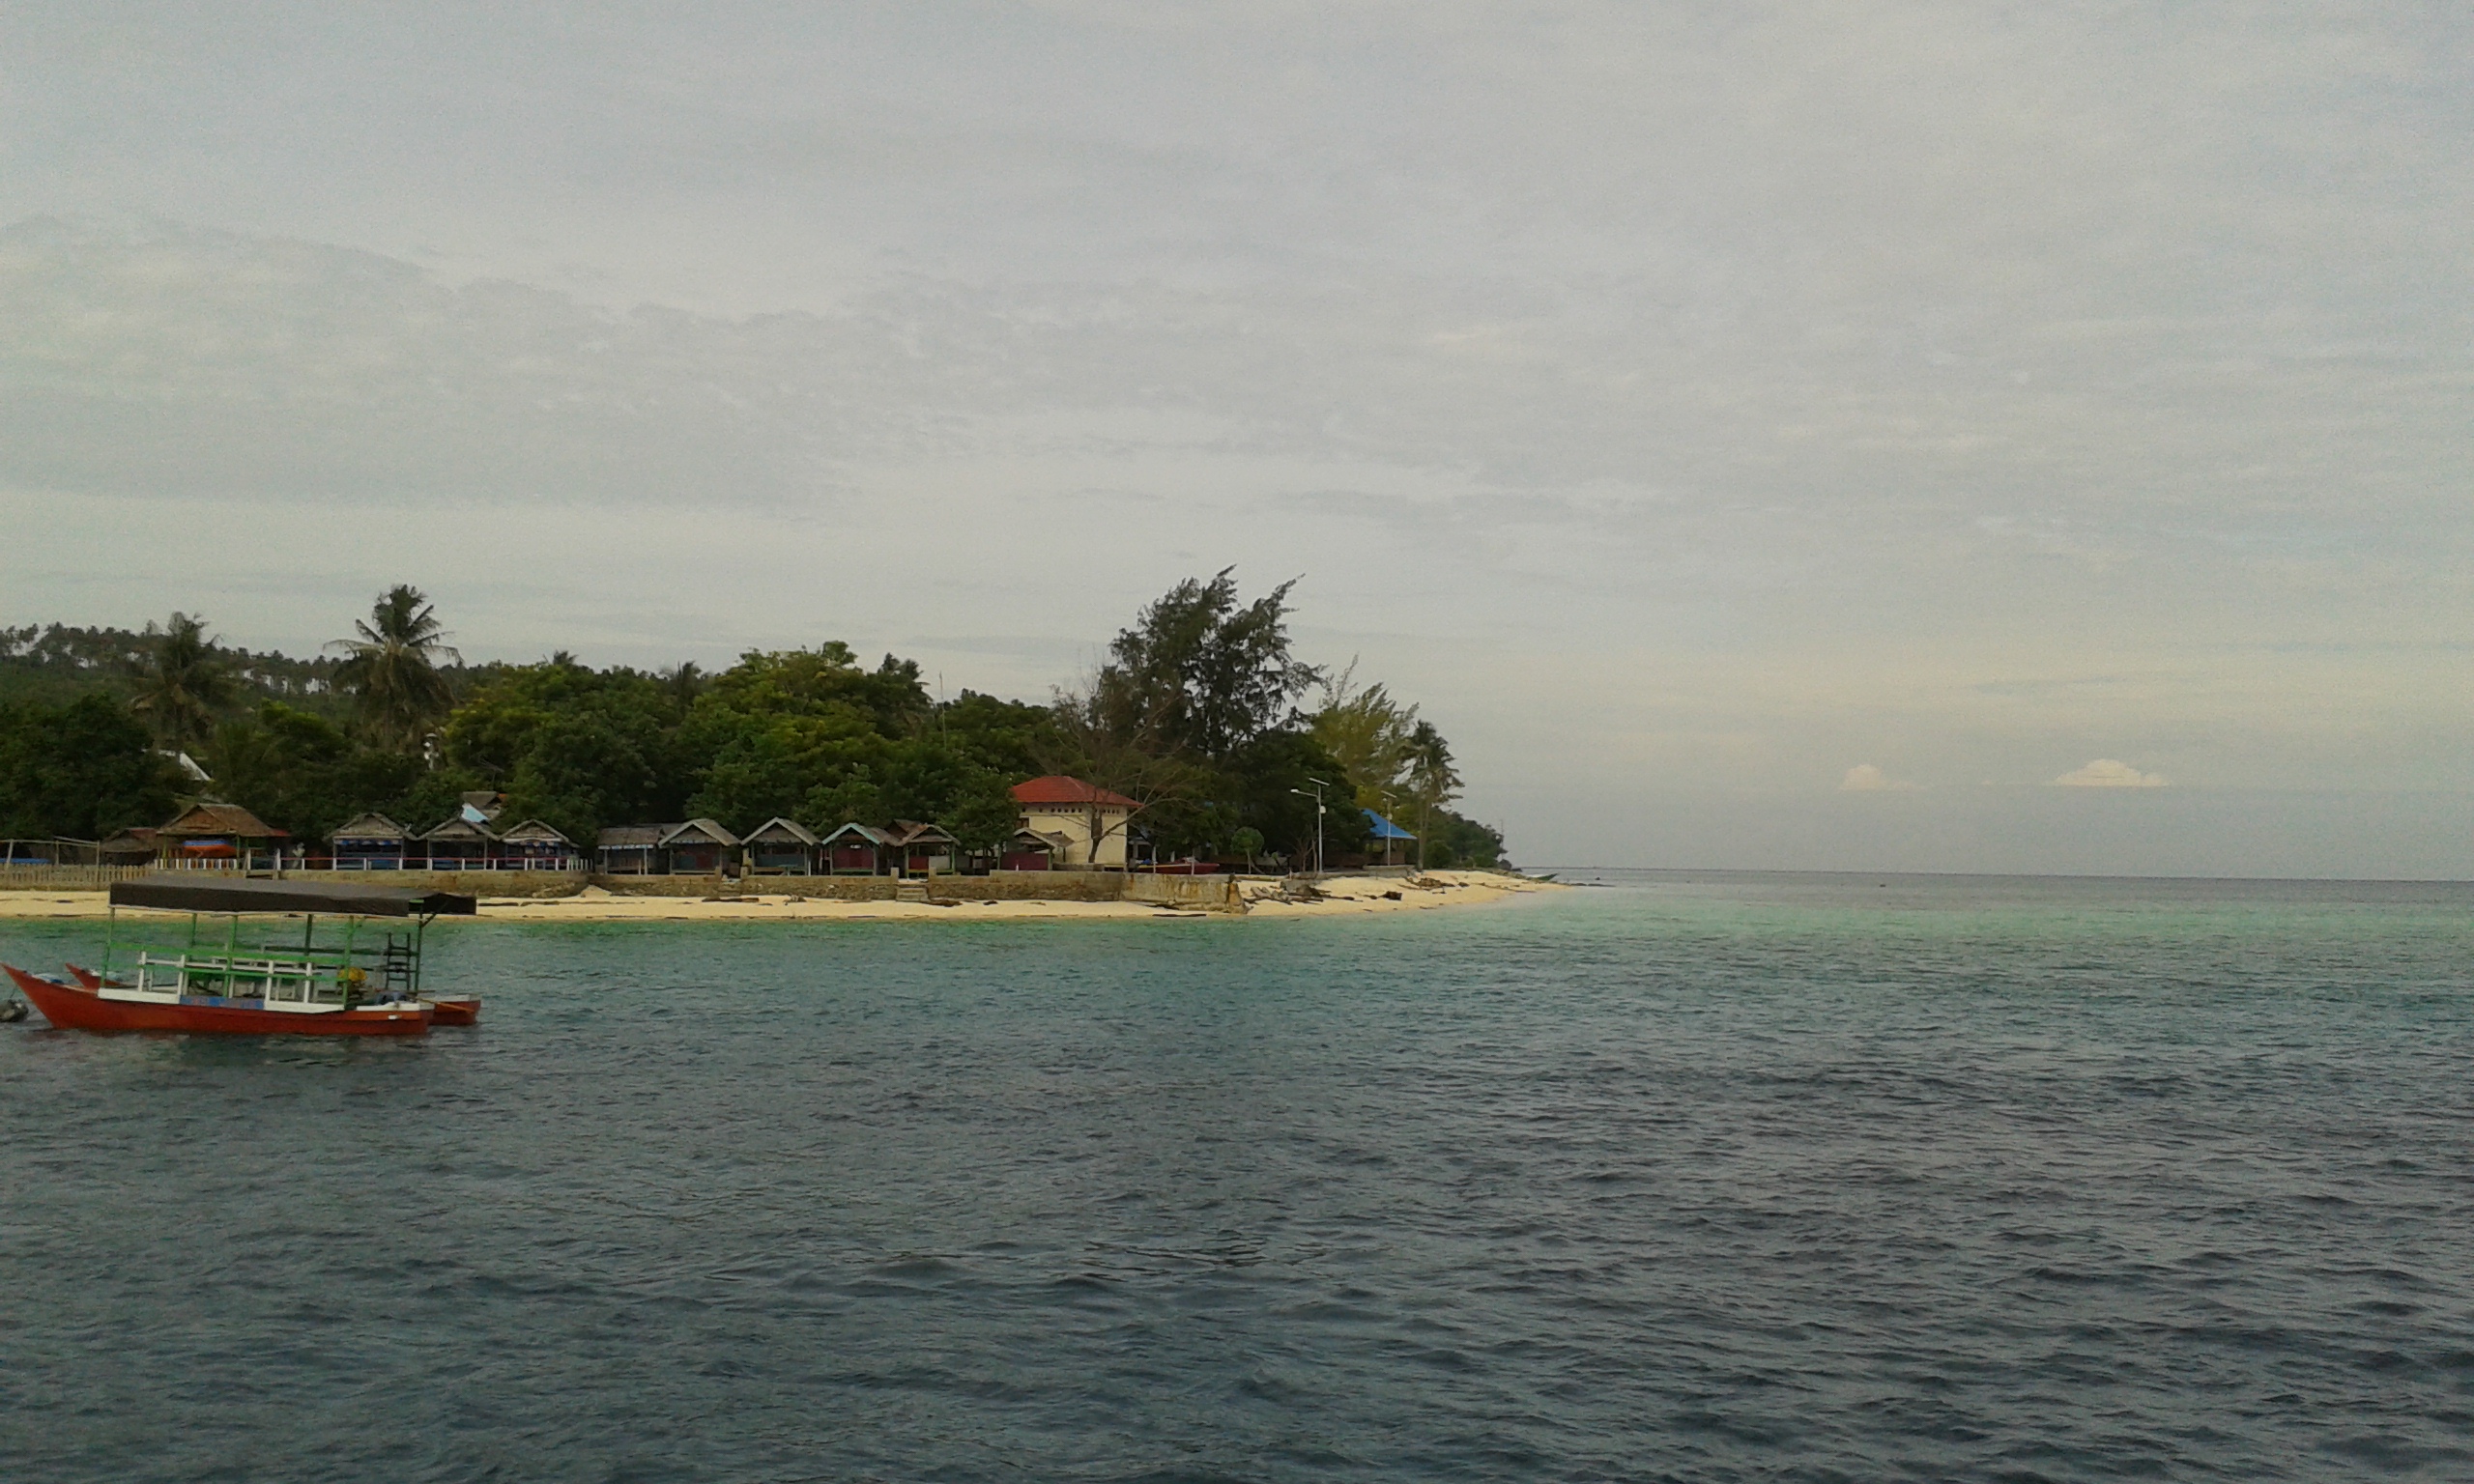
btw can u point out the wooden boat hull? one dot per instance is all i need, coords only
(75, 1007)
(454, 1012)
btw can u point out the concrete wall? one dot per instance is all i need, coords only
(1032, 886)
(1210, 894)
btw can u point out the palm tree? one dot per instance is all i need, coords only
(392, 669)
(684, 682)
(1433, 779)
(183, 684)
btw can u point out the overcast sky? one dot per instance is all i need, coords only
(1968, 437)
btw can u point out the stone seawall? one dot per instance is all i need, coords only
(995, 886)
(468, 883)
(1209, 894)
(814, 888)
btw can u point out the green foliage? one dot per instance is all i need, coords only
(299, 772)
(1273, 781)
(980, 812)
(86, 770)
(1455, 842)
(1194, 717)
(1201, 673)
(391, 673)
(574, 747)
(433, 797)
(802, 732)
(1010, 737)
(1248, 843)
(854, 800)
(184, 683)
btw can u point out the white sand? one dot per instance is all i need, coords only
(1342, 896)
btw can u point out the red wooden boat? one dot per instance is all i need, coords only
(260, 988)
(76, 1008)
(459, 1011)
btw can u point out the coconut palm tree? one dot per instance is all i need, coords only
(391, 669)
(183, 684)
(1433, 781)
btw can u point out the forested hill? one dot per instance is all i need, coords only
(53, 663)
(1202, 715)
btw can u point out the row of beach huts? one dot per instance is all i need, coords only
(1065, 824)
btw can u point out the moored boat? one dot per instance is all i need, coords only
(466, 1010)
(368, 985)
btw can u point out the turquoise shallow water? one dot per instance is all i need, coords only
(1693, 1177)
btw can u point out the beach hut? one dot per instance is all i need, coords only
(630, 849)
(534, 845)
(855, 850)
(699, 847)
(922, 850)
(1030, 850)
(210, 834)
(781, 846)
(462, 842)
(133, 847)
(371, 841)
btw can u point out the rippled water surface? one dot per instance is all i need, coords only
(1693, 1177)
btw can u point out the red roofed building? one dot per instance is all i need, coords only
(1090, 820)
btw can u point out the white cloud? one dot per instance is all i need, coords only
(2109, 773)
(1865, 778)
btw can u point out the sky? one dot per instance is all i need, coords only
(1840, 435)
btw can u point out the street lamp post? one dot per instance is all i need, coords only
(1317, 797)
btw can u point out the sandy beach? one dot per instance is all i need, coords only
(1339, 895)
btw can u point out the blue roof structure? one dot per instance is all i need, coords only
(1383, 829)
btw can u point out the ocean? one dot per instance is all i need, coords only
(1690, 1176)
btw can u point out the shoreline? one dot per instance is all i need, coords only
(1342, 896)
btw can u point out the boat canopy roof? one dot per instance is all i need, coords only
(186, 892)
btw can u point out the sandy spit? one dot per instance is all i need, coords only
(1342, 896)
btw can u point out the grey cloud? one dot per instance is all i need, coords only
(2024, 383)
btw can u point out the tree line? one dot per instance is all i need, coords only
(1200, 713)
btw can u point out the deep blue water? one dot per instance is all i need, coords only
(1696, 1176)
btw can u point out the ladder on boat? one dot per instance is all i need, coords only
(395, 966)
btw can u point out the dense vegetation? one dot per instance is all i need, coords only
(1199, 715)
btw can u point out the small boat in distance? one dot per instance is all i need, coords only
(367, 984)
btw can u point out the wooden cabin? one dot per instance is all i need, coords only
(212, 834)
(533, 846)
(699, 847)
(630, 849)
(370, 843)
(856, 850)
(133, 847)
(1030, 850)
(462, 842)
(924, 849)
(782, 847)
